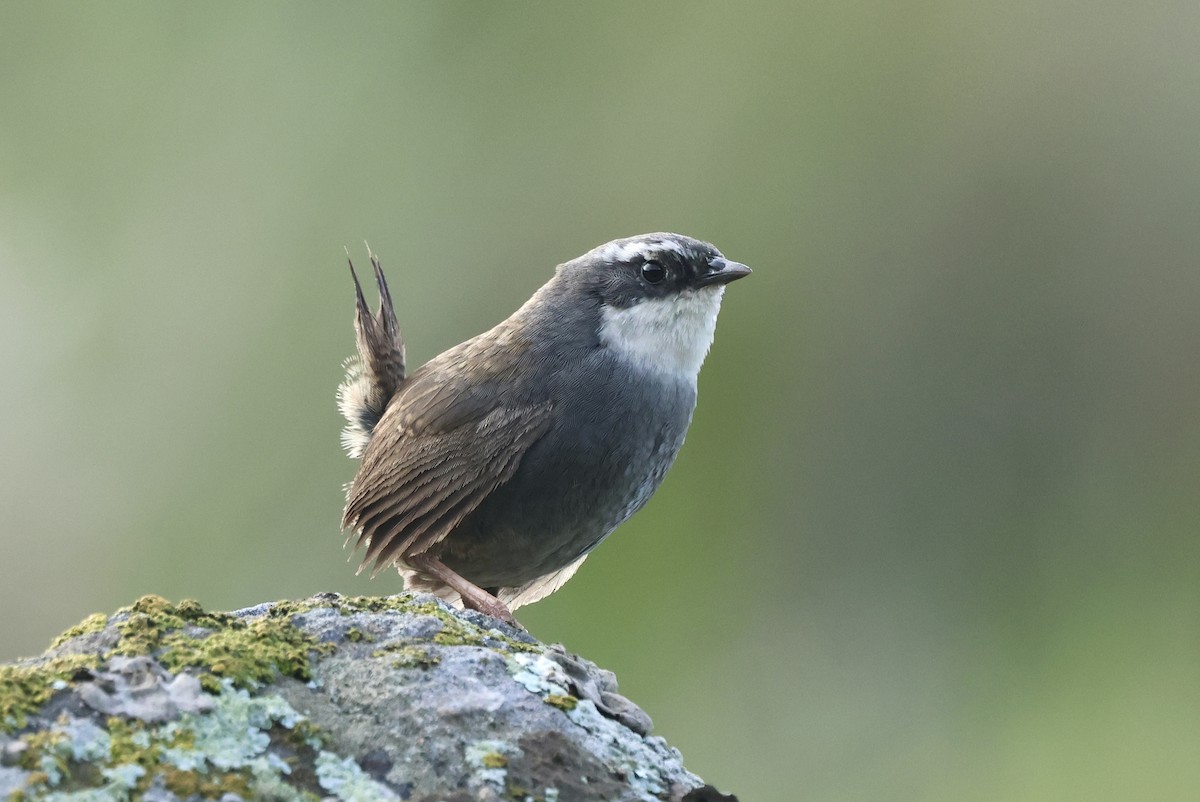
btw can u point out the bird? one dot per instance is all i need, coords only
(490, 473)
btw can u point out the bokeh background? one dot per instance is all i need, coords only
(934, 534)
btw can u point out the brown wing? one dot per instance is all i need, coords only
(417, 482)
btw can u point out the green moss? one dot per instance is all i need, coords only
(96, 622)
(196, 757)
(306, 734)
(349, 605)
(144, 625)
(248, 653)
(494, 760)
(563, 702)
(288, 609)
(346, 605)
(456, 632)
(356, 635)
(38, 745)
(229, 655)
(35, 783)
(50, 755)
(185, 784)
(408, 655)
(24, 689)
(130, 743)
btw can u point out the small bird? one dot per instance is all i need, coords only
(491, 472)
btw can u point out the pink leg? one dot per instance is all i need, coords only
(474, 597)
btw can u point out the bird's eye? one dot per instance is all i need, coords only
(653, 272)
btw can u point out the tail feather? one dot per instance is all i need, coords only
(377, 371)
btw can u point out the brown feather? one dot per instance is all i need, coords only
(416, 486)
(426, 529)
(380, 344)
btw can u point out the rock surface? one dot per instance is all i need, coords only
(371, 699)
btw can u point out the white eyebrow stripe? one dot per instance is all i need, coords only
(670, 245)
(628, 251)
(623, 251)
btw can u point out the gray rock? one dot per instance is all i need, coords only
(400, 698)
(139, 687)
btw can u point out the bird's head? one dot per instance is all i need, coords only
(658, 297)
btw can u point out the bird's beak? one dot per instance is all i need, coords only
(723, 271)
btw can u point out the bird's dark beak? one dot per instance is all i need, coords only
(723, 271)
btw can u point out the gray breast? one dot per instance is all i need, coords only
(615, 435)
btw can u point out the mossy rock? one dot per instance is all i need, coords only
(332, 697)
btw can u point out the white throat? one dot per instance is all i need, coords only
(667, 336)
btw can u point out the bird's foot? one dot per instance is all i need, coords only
(473, 596)
(493, 607)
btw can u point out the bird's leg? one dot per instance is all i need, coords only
(472, 595)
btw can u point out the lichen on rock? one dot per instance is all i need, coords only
(396, 698)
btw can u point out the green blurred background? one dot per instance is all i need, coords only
(934, 532)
